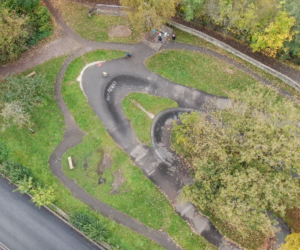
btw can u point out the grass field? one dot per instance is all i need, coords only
(138, 196)
(184, 37)
(95, 28)
(33, 150)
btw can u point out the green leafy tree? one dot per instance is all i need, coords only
(149, 14)
(21, 6)
(244, 158)
(22, 23)
(13, 35)
(191, 6)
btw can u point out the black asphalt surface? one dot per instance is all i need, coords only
(23, 226)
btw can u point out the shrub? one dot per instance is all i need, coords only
(27, 91)
(40, 26)
(16, 172)
(90, 226)
(4, 152)
(18, 97)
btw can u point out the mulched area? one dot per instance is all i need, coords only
(271, 62)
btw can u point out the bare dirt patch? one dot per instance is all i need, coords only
(119, 31)
(118, 181)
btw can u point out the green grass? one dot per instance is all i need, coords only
(95, 28)
(184, 37)
(138, 197)
(33, 150)
(140, 121)
(198, 71)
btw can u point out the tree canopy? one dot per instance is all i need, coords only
(22, 24)
(245, 158)
(149, 14)
(269, 26)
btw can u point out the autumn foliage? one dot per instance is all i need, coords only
(150, 14)
(245, 158)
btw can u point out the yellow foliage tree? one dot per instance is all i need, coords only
(292, 242)
(149, 14)
(272, 39)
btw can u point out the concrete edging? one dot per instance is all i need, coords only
(230, 49)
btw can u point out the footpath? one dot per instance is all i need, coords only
(153, 167)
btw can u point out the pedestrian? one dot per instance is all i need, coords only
(128, 54)
(174, 37)
(160, 39)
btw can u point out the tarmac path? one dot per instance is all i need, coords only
(128, 75)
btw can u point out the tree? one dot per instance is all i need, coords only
(191, 6)
(13, 35)
(21, 6)
(244, 158)
(22, 24)
(149, 14)
(272, 39)
(293, 47)
(292, 242)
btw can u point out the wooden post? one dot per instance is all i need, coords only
(70, 162)
(31, 74)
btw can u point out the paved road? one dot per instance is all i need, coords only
(25, 227)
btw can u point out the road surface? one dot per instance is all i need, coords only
(23, 226)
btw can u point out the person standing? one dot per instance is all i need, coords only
(160, 39)
(174, 37)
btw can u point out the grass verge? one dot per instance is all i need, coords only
(33, 150)
(138, 196)
(140, 121)
(96, 27)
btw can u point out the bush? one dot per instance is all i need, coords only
(27, 91)
(90, 226)
(4, 152)
(40, 26)
(16, 172)
(21, 6)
